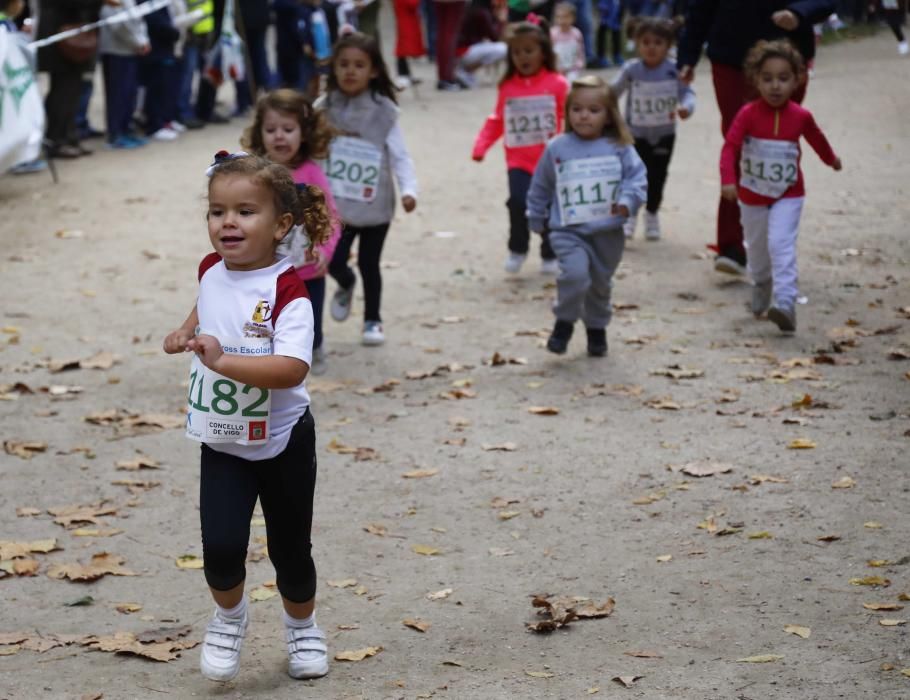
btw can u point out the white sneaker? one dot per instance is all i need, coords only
(549, 267)
(628, 228)
(465, 77)
(341, 303)
(903, 48)
(514, 262)
(372, 333)
(308, 655)
(165, 134)
(652, 226)
(728, 266)
(220, 657)
(402, 82)
(319, 364)
(174, 125)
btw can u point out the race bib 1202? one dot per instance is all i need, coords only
(530, 120)
(353, 168)
(653, 103)
(220, 409)
(587, 188)
(768, 167)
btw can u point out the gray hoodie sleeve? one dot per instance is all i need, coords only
(634, 187)
(540, 194)
(621, 83)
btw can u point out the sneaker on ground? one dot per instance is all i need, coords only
(761, 297)
(308, 655)
(448, 86)
(372, 333)
(558, 341)
(220, 657)
(549, 267)
(123, 143)
(903, 48)
(728, 265)
(176, 126)
(403, 82)
(137, 140)
(29, 166)
(784, 317)
(628, 227)
(165, 134)
(597, 342)
(652, 226)
(618, 61)
(514, 262)
(319, 363)
(465, 78)
(341, 303)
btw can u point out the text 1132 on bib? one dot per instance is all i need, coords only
(220, 409)
(353, 168)
(768, 167)
(530, 120)
(587, 188)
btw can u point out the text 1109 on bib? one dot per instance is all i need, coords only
(653, 103)
(220, 409)
(768, 167)
(587, 188)
(353, 168)
(530, 121)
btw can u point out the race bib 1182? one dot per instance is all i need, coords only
(353, 168)
(587, 188)
(768, 167)
(220, 409)
(530, 120)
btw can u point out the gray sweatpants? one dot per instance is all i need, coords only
(586, 267)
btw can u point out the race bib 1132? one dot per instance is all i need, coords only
(768, 167)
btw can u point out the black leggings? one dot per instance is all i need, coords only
(284, 485)
(656, 157)
(895, 18)
(615, 37)
(519, 235)
(372, 239)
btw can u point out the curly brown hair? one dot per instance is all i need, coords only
(305, 203)
(779, 48)
(666, 29)
(616, 127)
(315, 130)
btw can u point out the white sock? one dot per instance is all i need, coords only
(235, 613)
(298, 623)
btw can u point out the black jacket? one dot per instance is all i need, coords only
(53, 14)
(732, 27)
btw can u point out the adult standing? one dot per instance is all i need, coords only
(731, 28)
(449, 15)
(66, 62)
(255, 17)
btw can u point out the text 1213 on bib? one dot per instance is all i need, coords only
(530, 121)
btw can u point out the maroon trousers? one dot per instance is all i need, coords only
(449, 14)
(732, 90)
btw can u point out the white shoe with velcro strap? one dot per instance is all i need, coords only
(308, 655)
(220, 658)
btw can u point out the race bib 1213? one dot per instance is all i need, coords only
(530, 121)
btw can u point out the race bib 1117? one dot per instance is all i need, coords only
(587, 188)
(353, 168)
(530, 121)
(220, 409)
(768, 167)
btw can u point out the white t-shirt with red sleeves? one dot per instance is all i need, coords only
(271, 302)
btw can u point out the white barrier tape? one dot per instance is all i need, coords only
(120, 17)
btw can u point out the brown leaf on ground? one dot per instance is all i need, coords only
(760, 659)
(801, 444)
(420, 473)
(678, 372)
(626, 681)
(136, 486)
(543, 410)
(189, 561)
(625, 390)
(343, 583)
(643, 654)
(101, 564)
(440, 595)
(828, 538)
(455, 442)
(27, 512)
(845, 482)
(702, 467)
(883, 606)
(457, 393)
(502, 447)
(424, 549)
(100, 360)
(127, 608)
(649, 498)
(365, 454)
(376, 529)
(499, 502)
(127, 422)
(508, 514)
(757, 479)
(68, 516)
(498, 360)
(24, 449)
(798, 630)
(416, 624)
(164, 634)
(663, 403)
(357, 654)
(871, 581)
(137, 463)
(18, 567)
(15, 550)
(559, 611)
(128, 643)
(540, 674)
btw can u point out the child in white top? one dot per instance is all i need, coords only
(360, 104)
(252, 335)
(568, 42)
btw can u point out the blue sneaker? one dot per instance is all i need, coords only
(598, 63)
(122, 143)
(29, 166)
(137, 141)
(618, 61)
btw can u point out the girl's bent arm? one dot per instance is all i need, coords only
(273, 372)
(621, 83)
(176, 341)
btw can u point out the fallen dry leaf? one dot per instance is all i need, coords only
(828, 538)
(508, 514)
(189, 561)
(540, 674)
(883, 606)
(762, 535)
(357, 654)
(343, 583)
(801, 444)
(27, 512)
(424, 549)
(626, 681)
(892, 623)
(440, 595)
(871, 581)
(137, 463)
(127, 608)
(649, 498)
(665, 403)
(503, 447)
(678, 372)
(261, 593)
(873, 525)
(877, 563)
(845, 482)
(500, 552)
(543, 410)
(25, 450)
(760, 659)
(15, 550)
(756, 479)
(798, 630)
(95, 532)
(416, 624)
(100, 565)
(664, 558)
(643, 654)
(376, 529)
(420, 473)
(704, 467)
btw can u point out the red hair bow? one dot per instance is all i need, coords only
(533, 19)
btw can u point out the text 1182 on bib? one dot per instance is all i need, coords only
(220, 409)
(353, 168)
(530, 121)
(587, 188)
(768, 167)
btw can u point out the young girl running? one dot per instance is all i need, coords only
(360, 104)
(288, 131)
(764, 142)
(588, 182)
(529, 110)
(568, 43)
(656, 97)
(252, 335)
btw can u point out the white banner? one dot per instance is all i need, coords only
(126, 15)
(21, 106)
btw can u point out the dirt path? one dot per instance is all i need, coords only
(587, 505)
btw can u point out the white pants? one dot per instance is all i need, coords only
(483, 53)
(769, 234)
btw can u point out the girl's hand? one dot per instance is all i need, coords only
(837, 165)
(786, 20)
(176, 341)
(208, 349)
(686, 75)
(728, 192)
(683, 113)
(620, 210)
(409, 203)
(318, 258)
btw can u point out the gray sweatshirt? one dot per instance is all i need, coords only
(124, 38)
(654, 95)
(578, 180)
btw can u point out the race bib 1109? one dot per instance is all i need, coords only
(587, 188)
(220, 409)
(653, 103)
(530, 121)
(768, 167)
(353, 168)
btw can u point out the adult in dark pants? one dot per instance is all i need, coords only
(62, 103)
(731, 28)
(449, 15)
(205, 98)
(255, 18)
